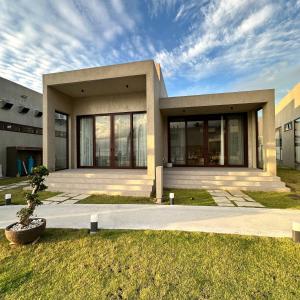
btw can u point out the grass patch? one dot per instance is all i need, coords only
(182, 197)
(190, 197)
(18, 197)
(118, 264)
(281, 200)
(291, 177)
(11, 180)
(108, 199)
(275, 199)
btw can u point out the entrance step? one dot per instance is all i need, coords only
(110, 182)
(225, 179)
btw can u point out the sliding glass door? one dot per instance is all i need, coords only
(113, 141)
(61, 141)
(208, 140)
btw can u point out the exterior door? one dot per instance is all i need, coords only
(195, 148)
(112, 141)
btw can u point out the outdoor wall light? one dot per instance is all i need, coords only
(296, 232)
(7, 199)
(94, 223)
(23, 110)
(38, 113)
(171, 197)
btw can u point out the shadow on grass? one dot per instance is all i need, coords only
(14, 281)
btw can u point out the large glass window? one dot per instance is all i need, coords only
(122, 140)
(177, 141)
(86, 141)
(260, 141)
(103, 142)
(195, 143)
(297, 140)
(278, 140)
(215, 142)
(140, 140)
(235, 140)
(61, 141)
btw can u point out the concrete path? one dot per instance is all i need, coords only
(14, 185)
(235, 220)
(233, 198)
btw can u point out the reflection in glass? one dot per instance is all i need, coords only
(260, 139)
(140, 140)
(61, 141)
(215, 142)
(102, 124)
(177, 141)
(86, 141)
(122, 140)
(297, 141)
(235, 140)
(195, 143)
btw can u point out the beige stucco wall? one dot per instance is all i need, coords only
(288, 110)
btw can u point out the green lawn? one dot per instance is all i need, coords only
(107, 199)
(10, 180)
(291, 177)
(189, 197)
(182, 197)
(281, 200)
(71, 264)
(18, 195)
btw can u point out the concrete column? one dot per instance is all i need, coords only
(269, 137)
(252, 139)
(159, 184)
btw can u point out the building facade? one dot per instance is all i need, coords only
(120, 117)
(287, 129)
(20, 122)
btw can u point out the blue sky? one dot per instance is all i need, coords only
(203, 46)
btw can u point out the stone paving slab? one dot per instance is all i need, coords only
(70, 201)
(248, 204)
(57, 198)
(81, 197)
(70, 195)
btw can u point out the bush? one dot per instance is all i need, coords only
(36, 179)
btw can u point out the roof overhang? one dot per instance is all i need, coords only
(216, 103)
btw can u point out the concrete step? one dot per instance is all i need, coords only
(141, 193)
(104, 174)
(115, 181)
(93, 186)
(223, 177)
(225, 187)
(215, 172)
(234, 183)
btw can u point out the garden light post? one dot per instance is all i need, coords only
(7, 199)
(94, 223)
(296, 232)
(171, 196)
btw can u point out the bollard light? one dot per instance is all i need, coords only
(296, 232)
(94, 223)
(7, 199)
(171, 196)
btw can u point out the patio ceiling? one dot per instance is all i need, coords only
(119, 85)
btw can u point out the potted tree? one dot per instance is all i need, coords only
(29, 229)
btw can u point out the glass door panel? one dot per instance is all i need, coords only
(215, 142)
(195, 143)
(103, 138)
(86, 141)
(139, 140)
(61, 141)
(177, 142)
(235, 140)
(122, 141)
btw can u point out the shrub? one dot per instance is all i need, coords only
(36, 180)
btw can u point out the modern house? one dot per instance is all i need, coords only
(288, 129)
(20, 127)
(120, 125)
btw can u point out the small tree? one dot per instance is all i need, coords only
(36, 180)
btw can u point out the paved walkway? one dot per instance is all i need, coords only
(13, 185)
(235, 220)
(65, 198)
(233, 198)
